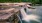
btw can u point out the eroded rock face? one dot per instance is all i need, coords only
(8, 14)
(5, 14)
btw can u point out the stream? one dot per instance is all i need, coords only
(37, 11)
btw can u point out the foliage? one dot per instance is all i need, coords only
(32, 1)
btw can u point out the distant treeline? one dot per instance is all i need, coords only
(32, 1)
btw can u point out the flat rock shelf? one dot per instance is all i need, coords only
(9, 15)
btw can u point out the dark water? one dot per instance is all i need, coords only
(37, 12)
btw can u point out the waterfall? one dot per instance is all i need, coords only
(27, 17)
(23, 12)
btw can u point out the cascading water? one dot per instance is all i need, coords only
(27, 18)
(19, 19)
